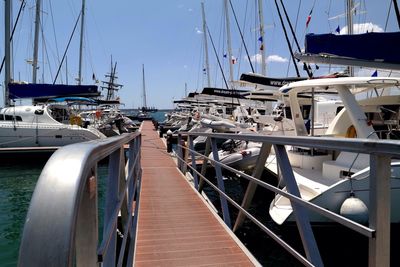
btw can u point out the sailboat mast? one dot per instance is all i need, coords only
(144, 89)
(7, 74)
(205, 45)
(229, 42)
(262, 33)
(349, 5)
(81, 43)
(36, 42)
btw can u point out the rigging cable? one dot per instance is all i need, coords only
(22, 6)
(55, 36)
(287, 39)
(241, 36)
(306, 67)
(295, 27)
(396, 8)
(216, 55)
(66, 49)
(388, 15)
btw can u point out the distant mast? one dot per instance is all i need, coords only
(144, 89)
(229, 43)
(36, 42)
(7, 34)
(350, 27)
(207, 67)
(262, 33)
(81, 43)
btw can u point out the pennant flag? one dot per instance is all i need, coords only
(262, 47)
(260, 39)
(233, 60)
(204, 70)
(308, 18)
(93, 77)
(375, 74)
(338, 29)
(225, 55)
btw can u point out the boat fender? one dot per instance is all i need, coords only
(354, 209)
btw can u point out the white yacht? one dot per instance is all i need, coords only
(328, 178)
(42, 126)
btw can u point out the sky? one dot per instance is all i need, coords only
(167, 38)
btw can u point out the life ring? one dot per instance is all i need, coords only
(351, 132)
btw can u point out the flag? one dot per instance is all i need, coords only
(260, 39)
(93, 77)
(225, 55)
(262, 47)
(375, 74)
(233, 60)
(308, 18)
(338, 29)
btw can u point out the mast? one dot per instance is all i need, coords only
(205, 45)
(144, 89)
(7, 73)
(81, 43)
(349, 6)
(262, 33)
(36, 42)
(228, 39)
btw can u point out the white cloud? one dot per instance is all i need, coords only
(362, 28)
(276, 58)
(257, 58)
(198, 31)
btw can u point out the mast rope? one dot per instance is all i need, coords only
(21, 7)
(66, 49)
(241, 35)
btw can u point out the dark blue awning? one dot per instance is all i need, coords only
(375, 46)
(17, 90)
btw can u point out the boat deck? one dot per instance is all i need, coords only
(176, 227)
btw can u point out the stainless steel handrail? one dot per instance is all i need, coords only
(380, 151)
(61, 227)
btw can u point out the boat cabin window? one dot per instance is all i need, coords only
(338, 109)
(10, 117)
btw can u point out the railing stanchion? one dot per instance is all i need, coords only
(300, 213)
(192, 155)
(221, 186)
(379, 211)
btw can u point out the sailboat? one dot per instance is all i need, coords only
(327, 178)
(40, 125)
(143, 111)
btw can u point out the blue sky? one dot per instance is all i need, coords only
(166, 36)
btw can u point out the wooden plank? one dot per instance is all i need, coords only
(175, 226)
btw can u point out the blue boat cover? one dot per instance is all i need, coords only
(17, 90)
(376, 46)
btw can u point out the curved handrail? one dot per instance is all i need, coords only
(63, 193)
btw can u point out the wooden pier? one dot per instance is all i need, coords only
(176, 227)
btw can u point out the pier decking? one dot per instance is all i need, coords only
(175, 227)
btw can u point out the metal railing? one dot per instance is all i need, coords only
(381, 152)
(61, 227)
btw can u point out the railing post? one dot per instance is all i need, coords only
(379, 211)
(179, 152)
(192, 155)
(300, 213)
(251, 187)
(111, 201)
(204, 165)
(86, 237)
(221, 186)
